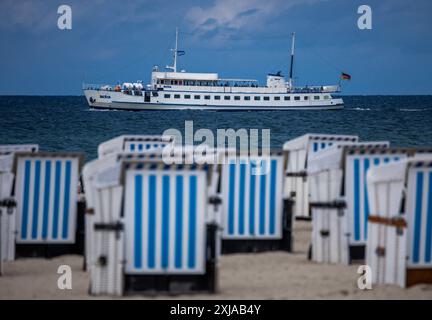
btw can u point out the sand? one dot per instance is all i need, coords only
(274, 275)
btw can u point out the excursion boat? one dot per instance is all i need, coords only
(178, 90)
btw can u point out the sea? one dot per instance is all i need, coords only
(65, 123)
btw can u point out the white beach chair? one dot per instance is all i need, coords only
(151, 230)
(339, 201)
(399, 246)
(45, 192)
(7, 203)
(180, 155)
(299, 152)
(7, 211)
(255, 215)
(134, 144)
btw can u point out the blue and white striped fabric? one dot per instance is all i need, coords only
(252, 198)
(356, 168)
(143, 146)
(165, 214)
(45, 191)
(419, 211)
(316, 146)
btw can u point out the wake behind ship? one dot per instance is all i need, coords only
(173, 90)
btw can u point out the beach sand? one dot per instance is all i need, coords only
(274, 275)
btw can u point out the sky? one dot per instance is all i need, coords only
(120, 41)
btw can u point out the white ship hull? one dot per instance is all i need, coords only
(173, 90)
(104, 99)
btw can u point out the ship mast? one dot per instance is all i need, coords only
(175, 53)
(290, 82)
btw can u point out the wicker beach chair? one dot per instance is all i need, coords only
(339, 202)
(255, 215)
(7, 203)
(133, 143)
(151, 229)
(46, 194)
(299, 152)
(399, 245)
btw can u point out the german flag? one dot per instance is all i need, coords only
(345, 76)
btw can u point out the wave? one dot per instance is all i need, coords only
(102, 110)
(412, 109)
(361, 109)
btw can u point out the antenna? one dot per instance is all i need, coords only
(175, 53)
(290, 82)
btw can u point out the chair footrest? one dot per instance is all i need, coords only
(173, 284)
(46, 250)
(8, 203)
(252, 245)
(115, 226)
(398, 222)
(296, 174)
(357, 253)
(329, 205)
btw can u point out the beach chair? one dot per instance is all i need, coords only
(399, 245)
(339, 202)
(46, 190)
(151, 231)
(180, 155)
(256, 217)
(133, 143)
(7, 203)
(7, 211)
(90, 172)
(299, 151)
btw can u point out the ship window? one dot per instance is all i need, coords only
(176, 96)
(197, 97)
(247, 98)
(257, 98)
(167, 95)
(236, 97)
(217, 97)
(175, 81)
(207, 97)
(305, 97)
(287, 98)
(296, 98)
(187, 96)
(277, 98)
(326, 97)
(227, 97)
(266, 98)
(316, 97)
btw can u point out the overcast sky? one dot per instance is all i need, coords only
(120, 41)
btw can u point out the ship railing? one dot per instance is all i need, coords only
(92, 86)
(316, 89)
(116, 88)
